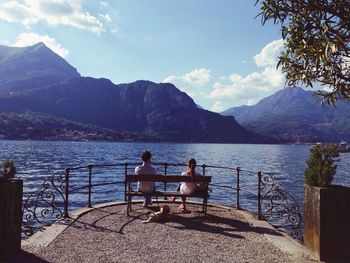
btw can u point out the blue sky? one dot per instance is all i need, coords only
(215, 51)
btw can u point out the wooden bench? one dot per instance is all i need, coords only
(202, 193)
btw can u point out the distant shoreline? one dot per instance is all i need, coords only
(160, 142)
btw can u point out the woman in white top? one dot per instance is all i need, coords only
(188, 187)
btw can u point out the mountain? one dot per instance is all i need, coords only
(295, 115)
(158, 111)
(27, 68)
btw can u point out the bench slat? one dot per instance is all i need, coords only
(167, 193)
(166, 178)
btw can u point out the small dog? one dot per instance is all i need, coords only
(161, 214)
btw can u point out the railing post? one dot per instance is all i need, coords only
(259, 195)
(237, 188)
(165, 168)
(125, 186)
(90, 184)
(66, 193)
(165, 173)
(203, 166)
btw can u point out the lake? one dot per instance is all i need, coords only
(37, 160)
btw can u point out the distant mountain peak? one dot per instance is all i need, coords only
(39, 44)
(26, 68)
(293, 91)
(9, 52)
(296, 115)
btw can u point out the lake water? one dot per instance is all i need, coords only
(37, 160)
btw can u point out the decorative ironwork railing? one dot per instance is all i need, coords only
(256, 191)
(44, 206)
(279, 207)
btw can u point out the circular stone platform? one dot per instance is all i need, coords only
(106, 234)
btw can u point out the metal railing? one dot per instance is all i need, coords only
(254, 190)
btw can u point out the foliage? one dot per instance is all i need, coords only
(317, 43)
(38, 126)
(321, 166)
(8, 170)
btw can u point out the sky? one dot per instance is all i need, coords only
(217, 52)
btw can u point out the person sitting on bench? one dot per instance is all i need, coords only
(188, 188)
(146, 169)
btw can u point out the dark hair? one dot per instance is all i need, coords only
(192, 166)
(146, 156)
(165, 209)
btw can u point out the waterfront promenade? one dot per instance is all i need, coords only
(106, 234)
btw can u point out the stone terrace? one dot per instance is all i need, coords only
(106, 234)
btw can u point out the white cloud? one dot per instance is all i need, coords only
(249, 87)
(104, 4)
(268, 56)
(188, 82)
(28, 39)
(54, 12)
(252, 101)
(53, 9)
(15, 12)
(220, 92)
(218, 106)
(197, 78)
(105, 17)
(65, 12)
(114, 29)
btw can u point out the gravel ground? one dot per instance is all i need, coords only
(108, 235)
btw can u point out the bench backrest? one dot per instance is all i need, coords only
(167, 178)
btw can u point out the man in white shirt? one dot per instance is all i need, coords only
(146, 169)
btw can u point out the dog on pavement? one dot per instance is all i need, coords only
(161, 214)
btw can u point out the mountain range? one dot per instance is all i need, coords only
(43, 97)
(295, 115)
(43, 91)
